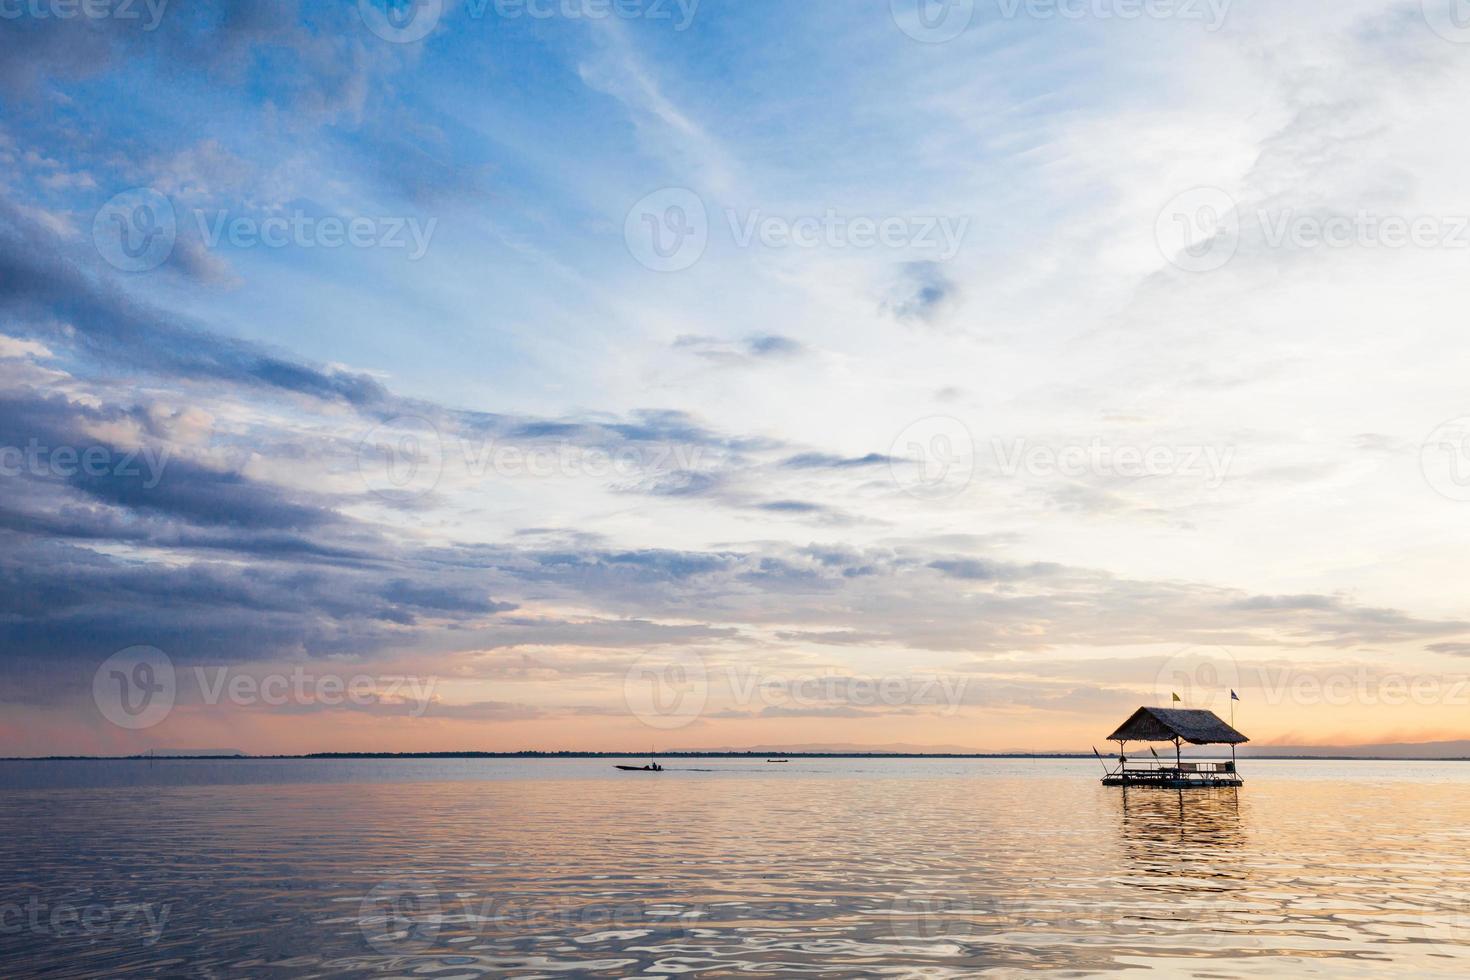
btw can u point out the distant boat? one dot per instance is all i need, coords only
(778, 760)
(651, 767)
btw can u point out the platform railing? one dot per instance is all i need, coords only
(1183, 768)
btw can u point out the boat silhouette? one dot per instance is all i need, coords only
(651, 767)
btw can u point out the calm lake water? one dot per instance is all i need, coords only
(461, 869)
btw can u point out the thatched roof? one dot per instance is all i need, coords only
(1166, 724)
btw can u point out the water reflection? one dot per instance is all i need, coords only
(1160, 828)
(856, 871)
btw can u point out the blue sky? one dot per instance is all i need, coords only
(932, 388)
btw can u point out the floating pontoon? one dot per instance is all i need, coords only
(1177, 725)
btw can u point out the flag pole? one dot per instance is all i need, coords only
(1232, 725)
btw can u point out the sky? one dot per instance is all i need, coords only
(566, 374)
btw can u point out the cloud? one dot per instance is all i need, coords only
(924, 293)
(747, 352)
(826, 461)
(56, 303)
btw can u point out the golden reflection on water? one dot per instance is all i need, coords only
(822, 870)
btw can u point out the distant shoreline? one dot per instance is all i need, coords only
(339, 756)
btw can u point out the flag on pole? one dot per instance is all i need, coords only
(1233, 695)
(1177, 699)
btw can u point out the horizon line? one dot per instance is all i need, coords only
(684, 754)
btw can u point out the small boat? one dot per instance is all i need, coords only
(778, 760)
(651, 767)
